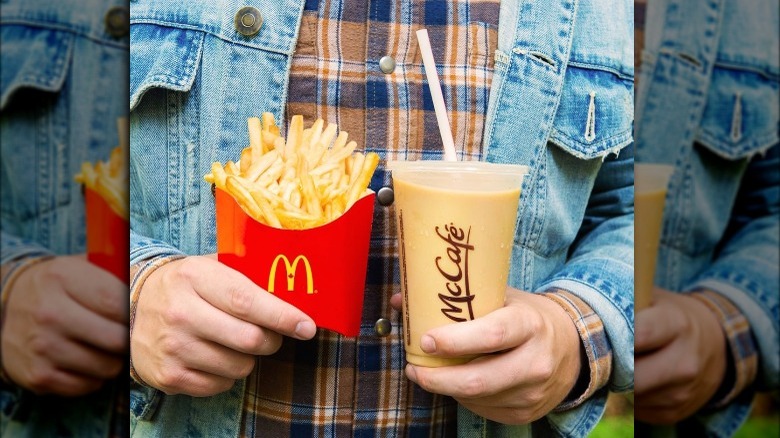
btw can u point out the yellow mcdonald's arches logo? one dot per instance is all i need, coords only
(290, 270)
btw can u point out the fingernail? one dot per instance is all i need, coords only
(428, 344)
(411, 373)
(305, 330)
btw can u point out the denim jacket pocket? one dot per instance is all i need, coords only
(740, 117)
(35, 58)
(164, 65)
(162, 57)
(595, 113)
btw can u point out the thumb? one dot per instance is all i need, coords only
(656, 326)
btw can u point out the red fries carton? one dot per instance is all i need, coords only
(108, 245)
(321, 271)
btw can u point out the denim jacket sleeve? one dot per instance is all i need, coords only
(600, 266)
(745, 268)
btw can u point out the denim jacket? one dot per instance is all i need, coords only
(561, 102)
(720, 130)
(61, 91)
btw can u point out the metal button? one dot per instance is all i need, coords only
(248, 21)
(385, 196)
(387, 64)
(383, 327)
(117, 21)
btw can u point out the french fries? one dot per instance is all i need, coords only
(304, 181)
(110, 178)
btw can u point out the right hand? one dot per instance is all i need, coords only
(199, 325)
(65, 331)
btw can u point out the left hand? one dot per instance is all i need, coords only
(531, 359)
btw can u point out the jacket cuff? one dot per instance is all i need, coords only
(139, 273)
(598, 351)
(743, 353)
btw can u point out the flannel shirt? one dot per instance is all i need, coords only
(338, 386)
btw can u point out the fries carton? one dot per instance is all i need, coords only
(107, 236)
(321, 271)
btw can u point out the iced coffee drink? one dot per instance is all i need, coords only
(650, 186)
(455, 226)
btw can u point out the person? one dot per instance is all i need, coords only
(707, 104)
(212, 354)
(64, 321)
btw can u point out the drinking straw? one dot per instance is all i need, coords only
(436, 95)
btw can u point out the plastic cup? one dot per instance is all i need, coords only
(456, 224)
(650, 187)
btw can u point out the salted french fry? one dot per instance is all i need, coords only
(272, 174)
(255, 127)
(219, 174)
(362, 181)
(357, 165)
(279, 145)
(268, 121)
(340, 154)
(116, 162)
(88, 174)
(258, 167)
(295, 220)
(294, 135)
(112, 195)
(310, 198)
(316, 132)
(232, 169)
(209, 177)
(245, 161)
(265, 207)
(327, 136)
(296, 199)
(241, 194)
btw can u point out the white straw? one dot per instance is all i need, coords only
(438, 99)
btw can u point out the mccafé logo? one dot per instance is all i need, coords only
(290, 269)
(454, 268)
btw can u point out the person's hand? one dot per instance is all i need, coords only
(531, 363)
(680, 358)
(65, 329)
(199, 325)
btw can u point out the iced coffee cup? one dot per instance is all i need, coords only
(455, 226)
(650, 186)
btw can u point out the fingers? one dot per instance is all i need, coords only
(215, 325)
(486, 376)
(215, 359)
(395, 301)
(658, 370)
(500, 330)
(656, 327)
(195, 383)
(53, 381)
(502, 414)
(81, 359)
(83, 325)
(231, 292)
(94, 288)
